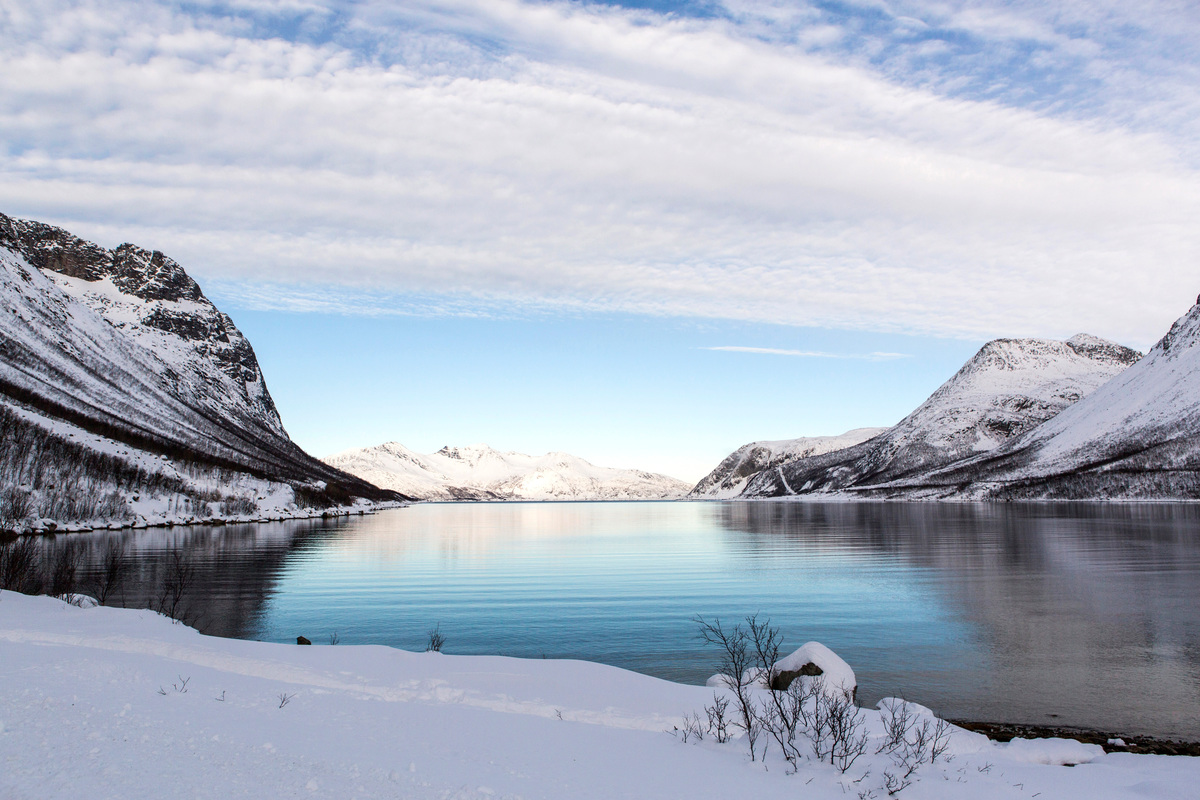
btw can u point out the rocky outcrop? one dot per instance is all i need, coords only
(123, 344)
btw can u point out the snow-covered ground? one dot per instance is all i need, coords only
(103, 702)
(478, 472)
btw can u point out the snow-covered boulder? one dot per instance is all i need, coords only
(810, 660)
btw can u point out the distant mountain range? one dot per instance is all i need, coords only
(118, 374)
(478, 472)
(1023, 419)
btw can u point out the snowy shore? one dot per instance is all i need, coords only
(125, 703)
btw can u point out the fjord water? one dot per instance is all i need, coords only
(1059, 614)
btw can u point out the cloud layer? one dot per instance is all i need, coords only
(952, 169)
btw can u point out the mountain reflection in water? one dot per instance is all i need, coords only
(1068, 614)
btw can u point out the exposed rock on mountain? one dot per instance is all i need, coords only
(119, 352)
(1009, 387)
(1137, 436)
(478, 472)
(730, 476)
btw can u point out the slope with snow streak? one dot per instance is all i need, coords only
(731, 475)
(123, 703)
(1137, 436)
(1009, 387)
(478, 472)
(123, 344)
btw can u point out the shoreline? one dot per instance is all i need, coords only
(50, 527)
(128, 703)
(1141, 745)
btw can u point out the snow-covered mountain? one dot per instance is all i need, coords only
(730, 476)
(1009, 387)
(1137, 436)
(121, 349)
(478, 472)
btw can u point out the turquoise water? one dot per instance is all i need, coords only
(1070, 614)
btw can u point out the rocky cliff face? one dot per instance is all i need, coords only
(1009, 387)
(124, 345)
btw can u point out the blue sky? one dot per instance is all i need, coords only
(447, 221)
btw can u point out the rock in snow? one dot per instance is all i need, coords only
(478, 472)
(1009, 387)
(810, 660)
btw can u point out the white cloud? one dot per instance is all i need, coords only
(496, 152)
(772, 351)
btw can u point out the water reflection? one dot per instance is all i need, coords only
(999, 612)
(235, 568)
(1085, 613)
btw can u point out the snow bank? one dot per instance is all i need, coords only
(123, 703)
(1059, 752)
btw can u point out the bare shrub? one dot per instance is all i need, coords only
(737, 659)
(64, 571)
(436, 640)
(238, 506)
(334, 638)
(113, 506)
(285, 698)
(788, 713)
(16, 504)
(20, 567)
(114, 569)
(911, 740)
(841, 729)
(692, 728)
(718, 720)
(178, 579)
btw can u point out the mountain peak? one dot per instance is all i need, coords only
(146, 274)
(1184, 334)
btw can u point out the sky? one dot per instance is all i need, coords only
(643, 233)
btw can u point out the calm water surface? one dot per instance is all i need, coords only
(1069, 614)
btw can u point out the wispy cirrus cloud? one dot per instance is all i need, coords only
(772, 351)
(962, 168)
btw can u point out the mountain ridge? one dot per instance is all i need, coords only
(1007, 388)
(121, 347)
(479, 472)
(1137, 436)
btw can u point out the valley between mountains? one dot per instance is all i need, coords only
(128, 398)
